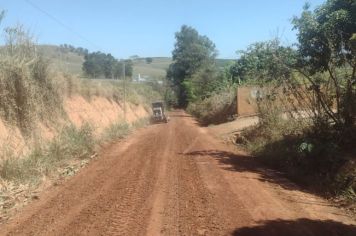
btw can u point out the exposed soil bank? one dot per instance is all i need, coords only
(99, 112)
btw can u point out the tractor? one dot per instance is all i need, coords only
(158, 114)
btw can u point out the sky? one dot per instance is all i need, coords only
(146, 27)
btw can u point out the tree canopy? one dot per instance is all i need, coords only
(99, 64)
(69, 48)
(325, 34)
(263, 62)
(191, 53)
(326, 45)
(149, 60)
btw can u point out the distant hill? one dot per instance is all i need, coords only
(71, 62)
(156, 69)
(68, 62)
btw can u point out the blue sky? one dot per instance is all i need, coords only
(147, 27)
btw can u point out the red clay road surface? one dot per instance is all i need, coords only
(177, 179)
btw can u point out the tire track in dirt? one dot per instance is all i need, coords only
(118, 181)
(122, 210)
(174, 179)
(155, 224)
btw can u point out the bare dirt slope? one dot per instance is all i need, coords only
(177, 179)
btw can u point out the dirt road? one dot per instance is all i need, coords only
(177, 179)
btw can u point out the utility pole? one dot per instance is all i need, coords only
(124, 89)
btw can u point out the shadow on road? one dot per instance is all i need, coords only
(241, 163)
(298, 227)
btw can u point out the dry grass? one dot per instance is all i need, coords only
(32, 94)
(70, 143)
(26, 89)
(115, 131)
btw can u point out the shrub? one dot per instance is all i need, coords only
(217, 108)
(309, 153)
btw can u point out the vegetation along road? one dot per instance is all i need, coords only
(177, 179)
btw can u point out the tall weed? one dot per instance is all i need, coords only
(71, 143)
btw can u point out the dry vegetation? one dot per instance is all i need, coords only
(295, 136)
(32, 93)
(218, 108)
(27, 91)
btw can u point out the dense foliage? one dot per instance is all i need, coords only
(149, 60)
(70, 48)
(325, 46)
(98, 64)
(308, 104)
(193, 53)
(316, 143)
(263, 62)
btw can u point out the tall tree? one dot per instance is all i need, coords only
(191, 52)
(325, 38)
(118, 69)
(98, 64)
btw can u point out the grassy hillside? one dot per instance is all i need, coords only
(67, 62)
(156, 69)
(71, 63)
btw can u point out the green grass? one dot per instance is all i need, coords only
(155, 70)
(71, 63)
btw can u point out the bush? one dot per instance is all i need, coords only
(309, 153)
(217, 108)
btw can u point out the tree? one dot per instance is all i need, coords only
(98, 64)
(262, 62)
(191, 52)
(128, 68)
(90, 66)
(325, 38)
(118, 69)
(107, 62)
(149, 60)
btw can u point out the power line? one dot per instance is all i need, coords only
(62, 24)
